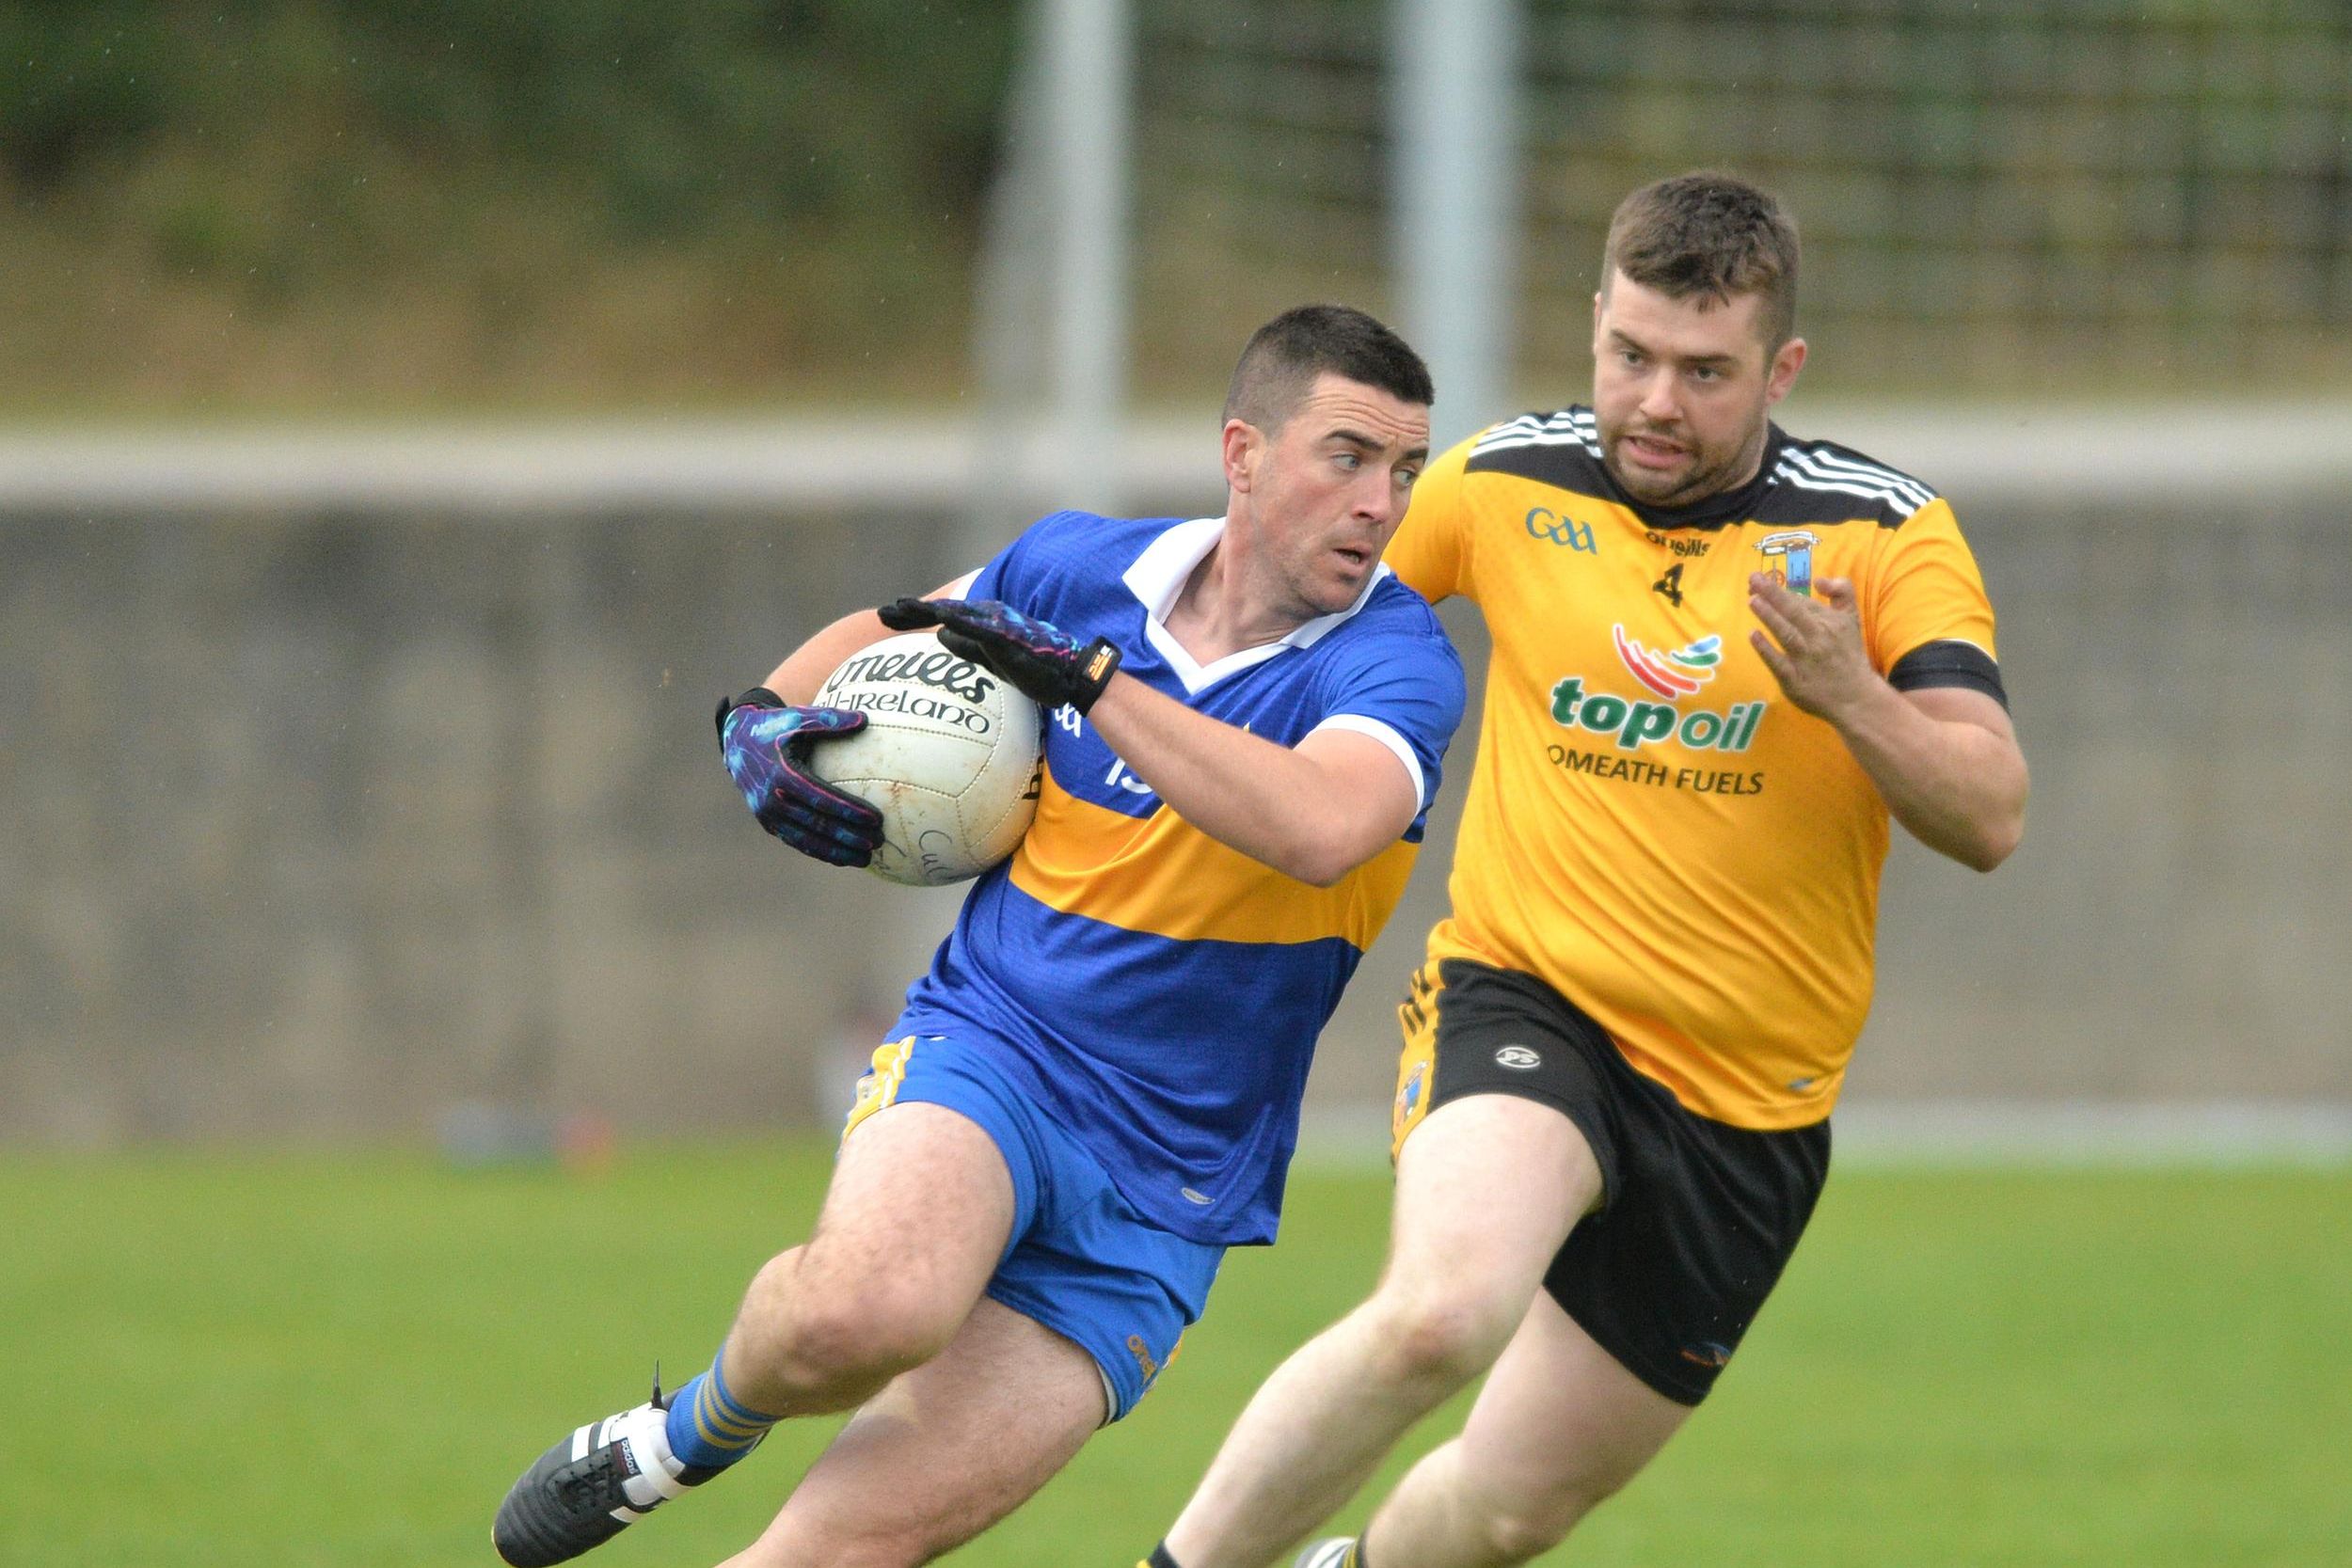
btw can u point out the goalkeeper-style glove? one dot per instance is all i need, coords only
(1045, 662)
(765, 741)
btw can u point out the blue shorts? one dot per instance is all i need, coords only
(1080, 1260)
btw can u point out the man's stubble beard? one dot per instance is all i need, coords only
(1701, 483)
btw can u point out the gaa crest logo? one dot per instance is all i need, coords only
(1541, 522)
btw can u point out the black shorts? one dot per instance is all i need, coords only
(1698, 1218)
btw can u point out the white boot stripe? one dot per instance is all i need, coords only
(649, 1448)
(579, 1440)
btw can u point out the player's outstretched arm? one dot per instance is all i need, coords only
(1945, 760)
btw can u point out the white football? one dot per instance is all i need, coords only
(949, 755)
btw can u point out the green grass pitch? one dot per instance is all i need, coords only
(344, 1360)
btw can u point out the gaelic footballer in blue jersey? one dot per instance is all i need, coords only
(1094, 1090)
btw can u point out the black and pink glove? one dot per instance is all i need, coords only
(1047, 664)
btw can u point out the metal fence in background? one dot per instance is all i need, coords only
(2091, 199)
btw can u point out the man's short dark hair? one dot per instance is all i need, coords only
(1282, 358)
(1708, 235)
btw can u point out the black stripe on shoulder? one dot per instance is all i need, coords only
(1949, 662)
(1820, 482)
(1561, 449)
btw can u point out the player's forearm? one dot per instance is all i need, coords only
(1955, 785)
(1268, 802)
(804, 670)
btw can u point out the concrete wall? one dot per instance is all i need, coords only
(322, 823)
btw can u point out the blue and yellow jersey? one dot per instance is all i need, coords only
(1158, 991)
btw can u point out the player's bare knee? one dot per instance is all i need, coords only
(1440, 1338)
(754, 1344)
(805, 1337)
(1523, 1537)
(837, 1339)
(1521, 1526)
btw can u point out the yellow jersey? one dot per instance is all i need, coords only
(1652, 827)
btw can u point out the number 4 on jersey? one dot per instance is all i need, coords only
(1670, 585)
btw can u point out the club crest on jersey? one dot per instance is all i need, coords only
(1408, 1093)
(1789, 557)
(1680, 673)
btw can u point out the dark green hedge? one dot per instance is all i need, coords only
(681, 116)
(389, 201)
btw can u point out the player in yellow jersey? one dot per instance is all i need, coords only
(1723, 658)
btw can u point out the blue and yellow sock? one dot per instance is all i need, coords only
(710, 1429)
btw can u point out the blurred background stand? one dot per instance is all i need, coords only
(411, 422)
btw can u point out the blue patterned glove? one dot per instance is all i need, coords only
(1042, 660)
(765, 741)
